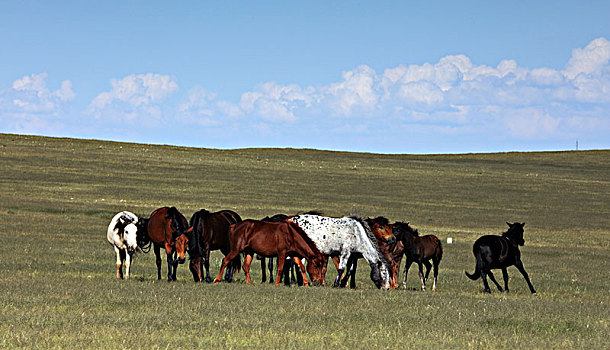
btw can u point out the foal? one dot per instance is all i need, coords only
(495, 252)
(417, 249)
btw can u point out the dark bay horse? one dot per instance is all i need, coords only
(381, 228)
(499, 252)
(166, 228)
(207, 232)
(416, 249)
(270, 239)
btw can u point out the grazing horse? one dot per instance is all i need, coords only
(122, 234)
(344, 237)
(381, 228)
(281, 239)
(499, 252)
(417, 249)
(166, 228)
(207, 232)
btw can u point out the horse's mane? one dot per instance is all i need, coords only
(371, 237)
(381, 220)
(144, 242)
(304, 235)
(174, 214)
(275, 218)
(195, 239)
(406, 228)
(314, 212)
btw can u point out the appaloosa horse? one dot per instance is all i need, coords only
(381, 228)
(269, 239)
(344, 237)
(166, 228)
(207, 232)
(499, 252)
(417, 249)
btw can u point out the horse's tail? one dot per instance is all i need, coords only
(477, 271)
(236, 263)
(143, 240)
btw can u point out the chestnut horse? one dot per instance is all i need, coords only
(270, 239)
(166, 228)
(495, 252)
(207, 232)
(289, 264)
(381, 228)
(417, 249)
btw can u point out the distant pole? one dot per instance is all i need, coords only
(577, 144)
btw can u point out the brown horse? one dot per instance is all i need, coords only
(381, 228)
(166, 228)
(207, 232)
(270, 239)
(416, 249)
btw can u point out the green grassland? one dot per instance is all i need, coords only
(58, 287)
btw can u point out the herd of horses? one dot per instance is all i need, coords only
(310, 237)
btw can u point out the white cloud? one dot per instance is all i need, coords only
(134, 96)
(592, 59)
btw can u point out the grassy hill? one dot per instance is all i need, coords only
(58, 288)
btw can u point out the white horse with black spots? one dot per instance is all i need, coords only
(343, 237)
(122, 235)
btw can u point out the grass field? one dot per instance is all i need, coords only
(58, 287)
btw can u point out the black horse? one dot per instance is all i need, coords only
(495, 252)
(289, 274)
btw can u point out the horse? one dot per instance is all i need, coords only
(281, 239)
(122, 234)
(343, 237)
(381, 228)
(210, 231)
(289, 264)
(499, 252)
(417, 249)
(166, 228)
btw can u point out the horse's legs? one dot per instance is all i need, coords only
(348, 267)
(281, 260)
(286, 273)
(119, 263)
(170, 264)
(352, 282)
(505, 276)
(299, 263)
(493, 279)
(158, 260)
(485, 284)
(206, 265)
(127, 264)
(225, 262)
(435, 265)
(404, 278)
(324, 268)
(246, 267)
(519, 266)
(340, 268)
(421, 276)
(264, 270)
(428, 268)
(270, 265)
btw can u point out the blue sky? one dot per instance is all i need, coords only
(383, 76)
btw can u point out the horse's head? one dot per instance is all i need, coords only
(380, 275)
(130, 237)
(182, 242)
(404, 232)
(515, 233)
(381, 229)
(314, 269)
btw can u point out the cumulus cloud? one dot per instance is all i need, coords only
(29, 105)
(134, 96)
